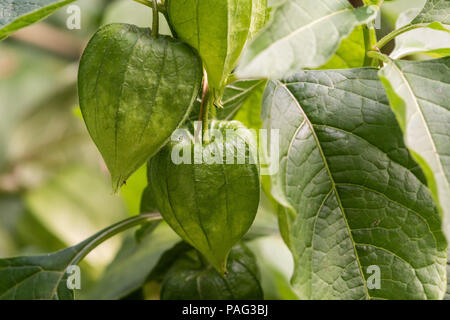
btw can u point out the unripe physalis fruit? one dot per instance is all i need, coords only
(217, 29)
(135, 90)
(208, 193)
(190, 279)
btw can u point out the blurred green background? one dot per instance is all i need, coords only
(54, 186)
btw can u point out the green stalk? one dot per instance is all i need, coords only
(207, 100)
(370, 39)
(151, 3)
(93, 242)
(205, 117)
(391, 36)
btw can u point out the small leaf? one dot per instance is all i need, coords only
(217, 29)
(44, 277)
(249, 113)
(434, 11)
(235, 96)
(355, 196)
(350, 54)
(419, 92)
(190, 279)
(135, 90)
(309, 40)
(210, 203)
(18, 14)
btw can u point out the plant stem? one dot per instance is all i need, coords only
(205, 120)
(379, 56)
(391, 36)
(94, 241)
(204, 108)
(151, 3)
(155, 27)
(370, 39)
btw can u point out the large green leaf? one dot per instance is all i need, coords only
(434, 10)
(135, 90)
(44, 277)
(217, 29)
(355, 197)
(434, 42)
(234, 96)
(309, 40)
(17, 14)
(419, 93)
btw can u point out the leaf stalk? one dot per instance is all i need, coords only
(150, 3)
(391, 36)
(93, 242)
